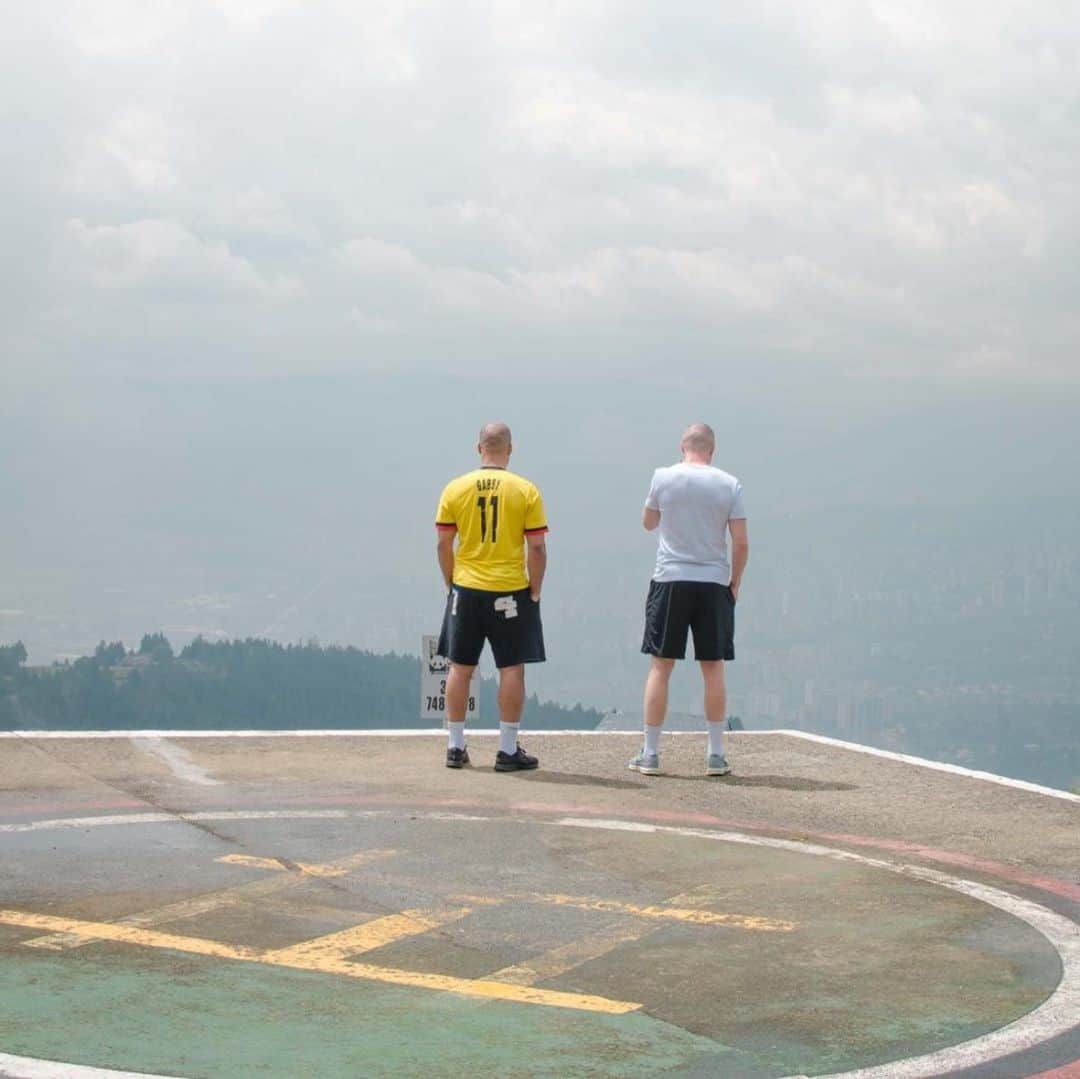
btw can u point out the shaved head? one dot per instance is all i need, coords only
(494, 438)
(698, 438)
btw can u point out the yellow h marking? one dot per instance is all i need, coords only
(251, 862)
(366, 937)
(227, 897)
(663, 913)
(328, 962)
(558, 961)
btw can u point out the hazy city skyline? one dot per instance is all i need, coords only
(271, 265)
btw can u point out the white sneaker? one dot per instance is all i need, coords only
(648, 764)
(717, 765)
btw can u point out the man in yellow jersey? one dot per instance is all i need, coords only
(493, 579)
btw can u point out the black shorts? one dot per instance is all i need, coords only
(510, 621)
(676, 607)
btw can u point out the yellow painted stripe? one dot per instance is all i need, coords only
(490, 989)
(664, 913)
(678, 914)
(328, 965)
(301, 909)
(211, 901)
(368, 936)
(696, 897)
(606, 939)
(126, 934)
(252, 862)
(558, 961)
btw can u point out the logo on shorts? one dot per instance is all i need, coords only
(436, 664)
(508, 605)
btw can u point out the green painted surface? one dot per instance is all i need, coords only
(197, 1017)
(876, 967)
(836, 994)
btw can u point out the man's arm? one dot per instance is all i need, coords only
(740, 553)
(650, 515)
(536, 563)
(445, 551)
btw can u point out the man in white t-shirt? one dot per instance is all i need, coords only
(694, 587)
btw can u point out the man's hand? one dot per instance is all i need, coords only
(445, 553)
(740, 553)
(536, 563)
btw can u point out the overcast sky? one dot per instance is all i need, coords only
(255, 187)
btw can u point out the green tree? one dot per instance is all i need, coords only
(243, 684)
(12, 657)
(157, 647)
(109, 655)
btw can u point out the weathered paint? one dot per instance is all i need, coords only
(298, 959)
(138, 1011)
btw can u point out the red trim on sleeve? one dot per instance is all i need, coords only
(445, 528)
(535, 531)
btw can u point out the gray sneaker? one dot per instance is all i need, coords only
(717, 765)
(648, 764)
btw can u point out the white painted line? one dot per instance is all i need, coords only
(1056, 1015)
(358, 732)
(922, 762)
(363, 733)
(178, 759)
(218, 816)
(490, 732)
(29, 1068)
(182, 818)
(88, 822)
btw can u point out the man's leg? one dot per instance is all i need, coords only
(517, 637)
(461, 641)
(667, 623)
(457, 707)
(511, 696)
(656, 698)
(511, 757)
(712, 671)
(656, 692)
(457, 692)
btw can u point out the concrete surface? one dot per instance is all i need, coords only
(282, 906)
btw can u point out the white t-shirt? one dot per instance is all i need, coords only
(695, 503)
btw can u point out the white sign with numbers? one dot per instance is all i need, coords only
(433, 672)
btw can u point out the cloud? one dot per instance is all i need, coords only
(845, 185)
(368, 323)
(165, 259)
(132, 155)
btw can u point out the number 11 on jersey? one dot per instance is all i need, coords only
(482, 502)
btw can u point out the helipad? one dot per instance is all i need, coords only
(345, 905)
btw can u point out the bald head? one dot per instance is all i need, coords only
(494, 443)
(698, 441)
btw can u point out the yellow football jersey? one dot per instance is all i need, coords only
(492, 511)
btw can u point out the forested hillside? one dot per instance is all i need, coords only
(233, 685)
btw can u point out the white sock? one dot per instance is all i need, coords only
(652, 739)
(508, 733)
(716, 738)
(457, 734)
